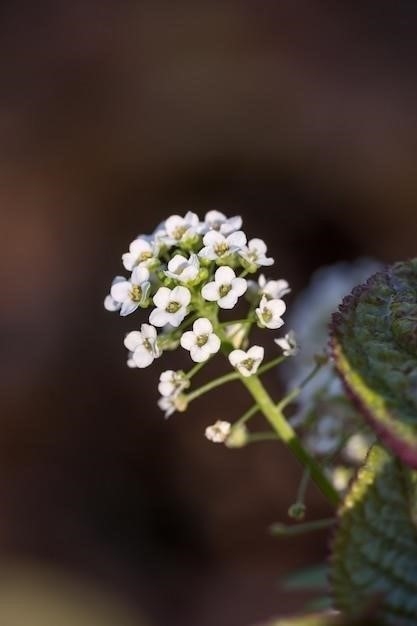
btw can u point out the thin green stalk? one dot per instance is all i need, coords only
(302, 488)
(267, 436)
(286, 434)
(290, 530)
(270, 365)
(193, 371)
(296, 391)
(246, 416)
(217, 382)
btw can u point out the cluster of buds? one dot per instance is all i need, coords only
(187, 272)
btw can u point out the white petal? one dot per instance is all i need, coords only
(277, 307)
(128, 307)
(266, 261)
(239, 286)
(224, 275)
(237, 356)
(256, 353)
(133, 340)
(177, 263)
(110, 304)
(258, 246)
(213, 238)
(166, 389)
(210, 292)
(159, 318)
(138, 246)
(214, 217)
(175, 319)
(140, 275)
(275, 323)
(208, 253)
(142, 357)
(231, 225)
(199, 354)
(181, 295)
(191, 219)
(237, 239)
(213, 343)
(120, 291)
(161, 298)
(188, 340)
(202, 326)
(129, 261)
(229, 301)
(148, 332)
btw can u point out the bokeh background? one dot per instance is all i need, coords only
(298, 115)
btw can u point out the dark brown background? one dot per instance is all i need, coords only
(301, 116)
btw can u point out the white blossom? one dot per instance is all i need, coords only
(110, 304)
(142, 345)
(218, 432)
(171, 306)
(357, 447)
(167, 404)
(218, 246)
(202, 342)
(177, 229)
(131, 293)
(247, 363)
(288, 344)
(142, 250)
(171, 383)
(255, 253)
(273, 289)
(269, 313)
(215, 220)
(225, 289)
(182, 269)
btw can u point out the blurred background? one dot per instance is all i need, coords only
(298, 115)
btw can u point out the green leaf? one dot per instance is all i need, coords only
(374, 345)
(374, 561)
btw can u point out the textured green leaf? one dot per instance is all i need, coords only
(374, 561)
(374, 345)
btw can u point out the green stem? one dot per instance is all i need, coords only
(284, 530)
(295, 392)
(286, 433)
(301, 493)
(217, 382)
(270, 365)
(246, 416)
(193, 371)
(267, 436)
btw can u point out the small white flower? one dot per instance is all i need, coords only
(177, 229)
(110, 304)
(141, 251)
(269, 313)
(273, 289)
(288, 344)
(170, 404)
(255, 253)
(131, 293)
(167, 404)
(215, 220)
(218, 246)
(225, 289)
(357, 447)
(171, 383)
(201, 341)
(247, 363)
(182, 269)
(218, 432)
(171, 306)
(142, 345)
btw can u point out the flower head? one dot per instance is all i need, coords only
(142, 251)
(273, 289)
(201, 341)
(269, 313)
(255, 253)
(288, 344)
(215, 220)
(171, 383)
(182, 269)
(218, 432)
(247, 363)
(217, 247)
(143, 346)
(131, 293)
(177, 230)
(171, 306)
(225, 289)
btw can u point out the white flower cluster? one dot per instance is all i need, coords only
(187, 271)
